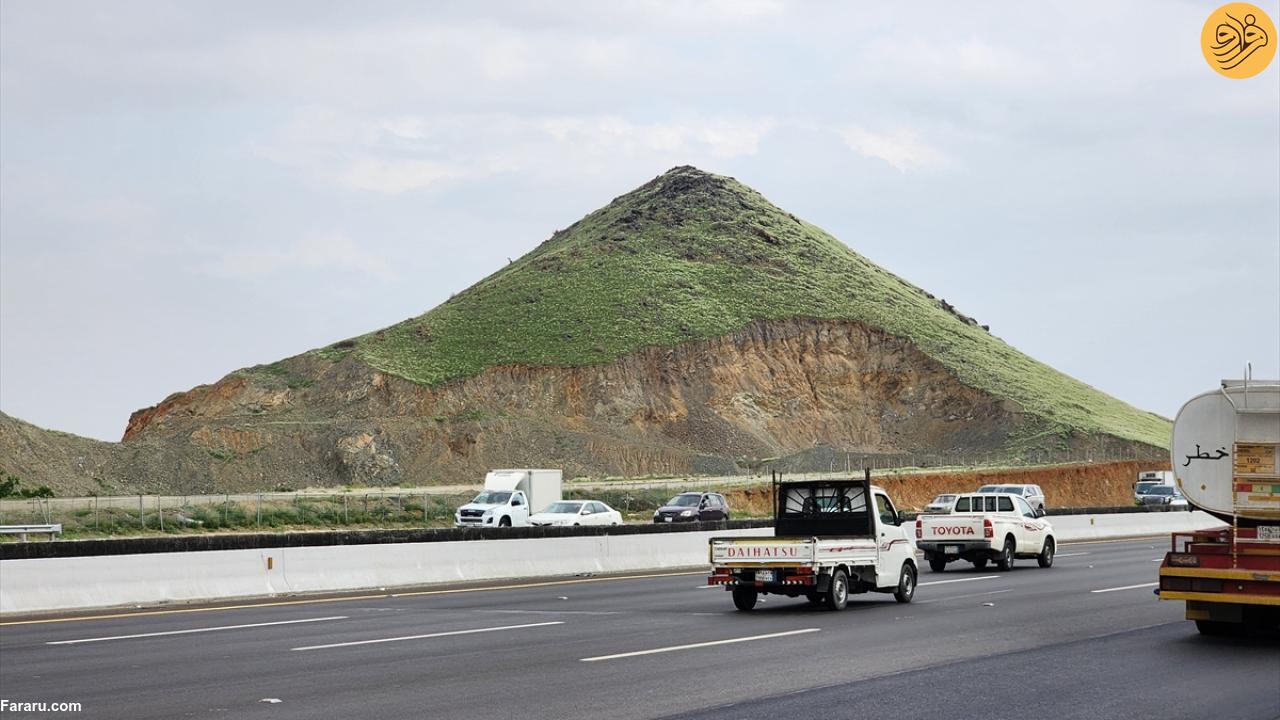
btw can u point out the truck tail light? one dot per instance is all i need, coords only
(988, 530)
(919, 529)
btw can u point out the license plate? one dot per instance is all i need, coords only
(951, 549)
(1269, 533)
(667, 518)
(764, 576)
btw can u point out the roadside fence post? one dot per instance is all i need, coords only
(346, 517)
(142, 513)
(259, 509)
(160, 511)
(95, 512)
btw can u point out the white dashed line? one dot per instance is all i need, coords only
(673, 648)
(429, 635)
(944, 582)
(1126, 587)
(195, 630)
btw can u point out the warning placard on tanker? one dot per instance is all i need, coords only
(1256, 459)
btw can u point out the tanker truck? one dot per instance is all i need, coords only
(1226, 461)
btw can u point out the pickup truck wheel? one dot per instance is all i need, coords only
(1005, 561)
(838, 593)
(504, 522)
(744, 598)
(937, 563)
(906, 584)
(980, 563)
(1045, 558)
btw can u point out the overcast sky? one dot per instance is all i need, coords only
(190, 188)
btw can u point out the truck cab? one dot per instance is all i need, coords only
(832, 538)
(494, 508)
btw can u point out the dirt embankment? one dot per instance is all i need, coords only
(1083, 485)
(775, 389)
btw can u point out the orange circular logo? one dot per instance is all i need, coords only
(1238, 40)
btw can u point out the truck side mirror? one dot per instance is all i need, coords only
(902, 516)
(1040, 512)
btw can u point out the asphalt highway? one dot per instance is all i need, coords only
(1084, 639)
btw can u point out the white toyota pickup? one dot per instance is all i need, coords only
(983, 527)
(831, 538)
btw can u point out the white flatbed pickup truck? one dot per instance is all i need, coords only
(983, 527)
(831, 538)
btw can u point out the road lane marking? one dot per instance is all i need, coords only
(1062, 555)
(428, 635)
(347, 598)
(944, 582)
(1126, 587)
(962, 597)
(194, 630)
(673, 648)
(551, 612)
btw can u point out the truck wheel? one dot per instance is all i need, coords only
(813, 598)
(504, 522)
(1045, 558)
(744, 598)
(838, 593)
(1005, 561)
(980, 563)
(937, 563)
(906, 584)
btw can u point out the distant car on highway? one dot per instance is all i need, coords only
(576, 512)
(693, 507)
(1164, 495)
(1031, 493)
(941, 504)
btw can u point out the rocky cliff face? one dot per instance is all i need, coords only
(773, 389)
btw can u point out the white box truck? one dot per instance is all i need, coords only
(510, 497)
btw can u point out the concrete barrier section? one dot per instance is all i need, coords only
(72, 583)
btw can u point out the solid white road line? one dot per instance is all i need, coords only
(1126, 587)
(944, 582)
(429, 635)
(1062, 555)
(195, 630)
(673, 648)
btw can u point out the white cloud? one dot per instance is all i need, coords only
(318, 251)
(900, 148)
(406, 153)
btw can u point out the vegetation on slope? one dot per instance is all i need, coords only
(691, 256)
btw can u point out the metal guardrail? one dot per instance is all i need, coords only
(23, 530)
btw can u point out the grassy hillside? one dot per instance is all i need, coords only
(692, 256)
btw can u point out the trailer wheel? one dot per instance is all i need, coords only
(937, 563)
(1005, 561)
(744, 598)
(813, 598)
(1045, 558)
(906, 584)
(838, 593)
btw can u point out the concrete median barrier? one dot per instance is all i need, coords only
(104, 581)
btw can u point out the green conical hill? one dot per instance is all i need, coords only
(690, 256)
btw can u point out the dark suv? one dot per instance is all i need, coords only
(693, 507)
